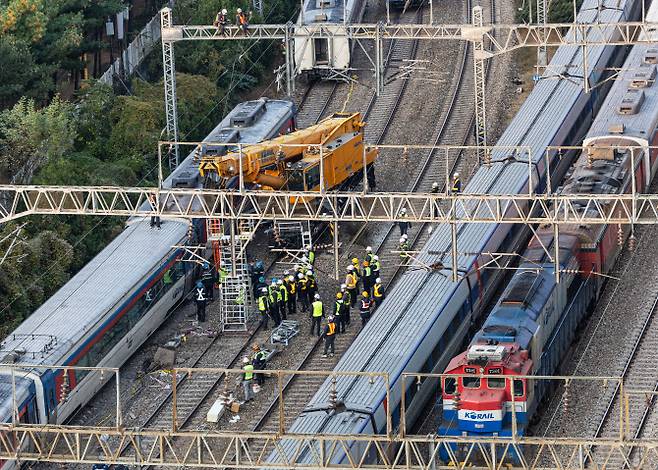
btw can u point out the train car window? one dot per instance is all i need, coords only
(518, 388)
(321, 51)
(496, 383)
(471, 382)
(449, 386)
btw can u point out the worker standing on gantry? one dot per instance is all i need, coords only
(329, 335)
(221, 21)
(403, 223)
(456, 186)
(242, 20)
(317, 312)
(435, 188)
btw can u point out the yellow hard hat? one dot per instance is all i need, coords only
(355, 260)
(365, 293)
(339, 295)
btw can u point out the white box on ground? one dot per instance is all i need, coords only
(216, 411)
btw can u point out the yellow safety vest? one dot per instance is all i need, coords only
(293, 287)
(261, 303)
(317, 308)
(376, 290)
(248, 372)
(351, 281)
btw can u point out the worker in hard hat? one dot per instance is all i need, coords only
(247, 379)
(456, 186)
(242, 20)
(403, 247)
(365, 307)
(317, 312)
(368, 256)
(258, 361)
(376, 266)
(435, 188)
(221, 20)
(329, 335)
(351, 283)
(403, 223)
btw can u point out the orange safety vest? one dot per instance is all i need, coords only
(332, 329)
(243, 18)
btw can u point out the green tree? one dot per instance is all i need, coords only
(31, 137)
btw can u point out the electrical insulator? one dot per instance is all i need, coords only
(632, 242)
(64, 388)
(333, 394)
(487, 157)
(566, 395)
(590, 161)
(620, 236)
(457, 400)
(405, 154)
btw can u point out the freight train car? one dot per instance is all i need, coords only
(114, 303)
(535, 320)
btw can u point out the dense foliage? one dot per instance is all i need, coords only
(100, 137)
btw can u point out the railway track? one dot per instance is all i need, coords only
(315, 102)
(638, 373)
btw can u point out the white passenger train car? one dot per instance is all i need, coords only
(328, 58)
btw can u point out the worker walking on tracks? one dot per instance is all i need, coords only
(258, 361)
(345, 316)
(365, 308)
(291, 287)
(351, 283)
(283, 299)
(403, 247)
(456, 186)
(329, 335)
(201, 301)
(377, 293)
(302, 287)
(368, 280)
(403, 223)
(317, 311)
(247, 379)
(376, 266)
(263, 307)
(368, 257)
(357, 270)
(338, 311)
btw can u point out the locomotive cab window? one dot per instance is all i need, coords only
(471, 382)
(321, 51)
(449, 385)
(518, 388)
(496, 383)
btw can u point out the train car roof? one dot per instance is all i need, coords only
(327, 11)
(408, 312)
(634, 93)
(47, 335)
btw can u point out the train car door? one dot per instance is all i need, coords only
(321, 47)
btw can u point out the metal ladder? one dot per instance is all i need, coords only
(235, 294)
(298, 231)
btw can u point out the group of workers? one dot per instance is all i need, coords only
(364, 278)
(280, 297)
(241, 19)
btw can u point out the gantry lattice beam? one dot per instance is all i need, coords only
(171, 106)
(190, 449)
(20, 201)
(499, 38)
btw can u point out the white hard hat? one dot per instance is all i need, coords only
(224, 11)
(285, 273)
(280, 282)
(300, 276)
(309, 273)
(291, 278)
(316, 296)
(369, 249)
(378, 280)
(402, 239)
(350, 267)
(455, 174)
(273, 283)
(239, 10)
(403, 211)
(435, 185)
(330, 318)
(376, 258)
(264, 289)
(405, 236)
(245, 360)
(308, 247)
(343, 286)
(296, 267)
(304, 259)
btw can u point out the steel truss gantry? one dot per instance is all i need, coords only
(171, 106)
(554, 209)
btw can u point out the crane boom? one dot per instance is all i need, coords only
(285, 159)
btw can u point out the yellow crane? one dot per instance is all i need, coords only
(292, 161)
